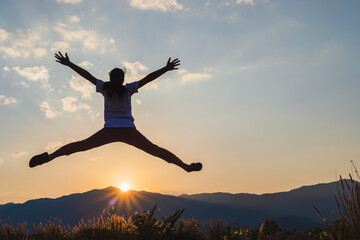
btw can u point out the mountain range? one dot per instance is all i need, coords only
(292, 209)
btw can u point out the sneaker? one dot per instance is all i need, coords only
(194, 167)
(39, 159)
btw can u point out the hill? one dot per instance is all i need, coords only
(292, 209)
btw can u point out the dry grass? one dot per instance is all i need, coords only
(347, 224)
(144, 226)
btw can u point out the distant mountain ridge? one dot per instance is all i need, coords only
(292, 209)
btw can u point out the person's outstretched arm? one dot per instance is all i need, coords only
(82, 72)
(171, 65)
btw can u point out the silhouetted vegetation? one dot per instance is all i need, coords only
(347, 224)
(145, 225)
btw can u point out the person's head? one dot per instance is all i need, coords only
(117, 76)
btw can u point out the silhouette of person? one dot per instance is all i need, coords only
(119, 122)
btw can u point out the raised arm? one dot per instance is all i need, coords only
(171, 65)
(82, 72)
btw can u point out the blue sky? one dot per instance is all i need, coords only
(266, 96)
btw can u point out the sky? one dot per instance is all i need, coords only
(266, 96)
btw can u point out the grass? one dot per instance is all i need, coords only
(145, 225)
(347, 224)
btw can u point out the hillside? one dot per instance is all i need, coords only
(292, 209)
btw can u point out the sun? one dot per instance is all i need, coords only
(125, 187)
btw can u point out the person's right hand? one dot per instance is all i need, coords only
(172, 65)
(61, 59)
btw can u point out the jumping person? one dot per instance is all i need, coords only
(119, 122)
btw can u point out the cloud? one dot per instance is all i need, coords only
(94, 159)
(86, 64)
(21, 44)
(162, 5)
(55, 145)
(49, 111)
(6, 100)
(19, 154)
(39, 52)
(193, 77)
(74, 19)
(134, 69)
(4, 35)
(12, 52)
(138, 101)
(80, 84)
(71, 104)
(22, 83)
(251, 2)
(69, 1)
(35, 74)
(60, 46)
(6, 69)
(182, 71)
(1, 161)
(88, 38)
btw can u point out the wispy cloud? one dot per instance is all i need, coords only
(251, 2)
(134, 68)
(135, 71)
(81, 85)
(86, 64)
(6, 100)
(138, 101)
(49, 111)
(21, 44)
(39, 52)
(94, 159)
(22, 83)
(53, 145)
(19, 154)
(193, 77)
(88, 38)
(69, 1)
(57, 144)
(161, 5)
(71, 104)
(60, 46)
(74, 19)
(4, 35)
(35, 74)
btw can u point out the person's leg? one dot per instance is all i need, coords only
(98, 139)
(136, 139)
